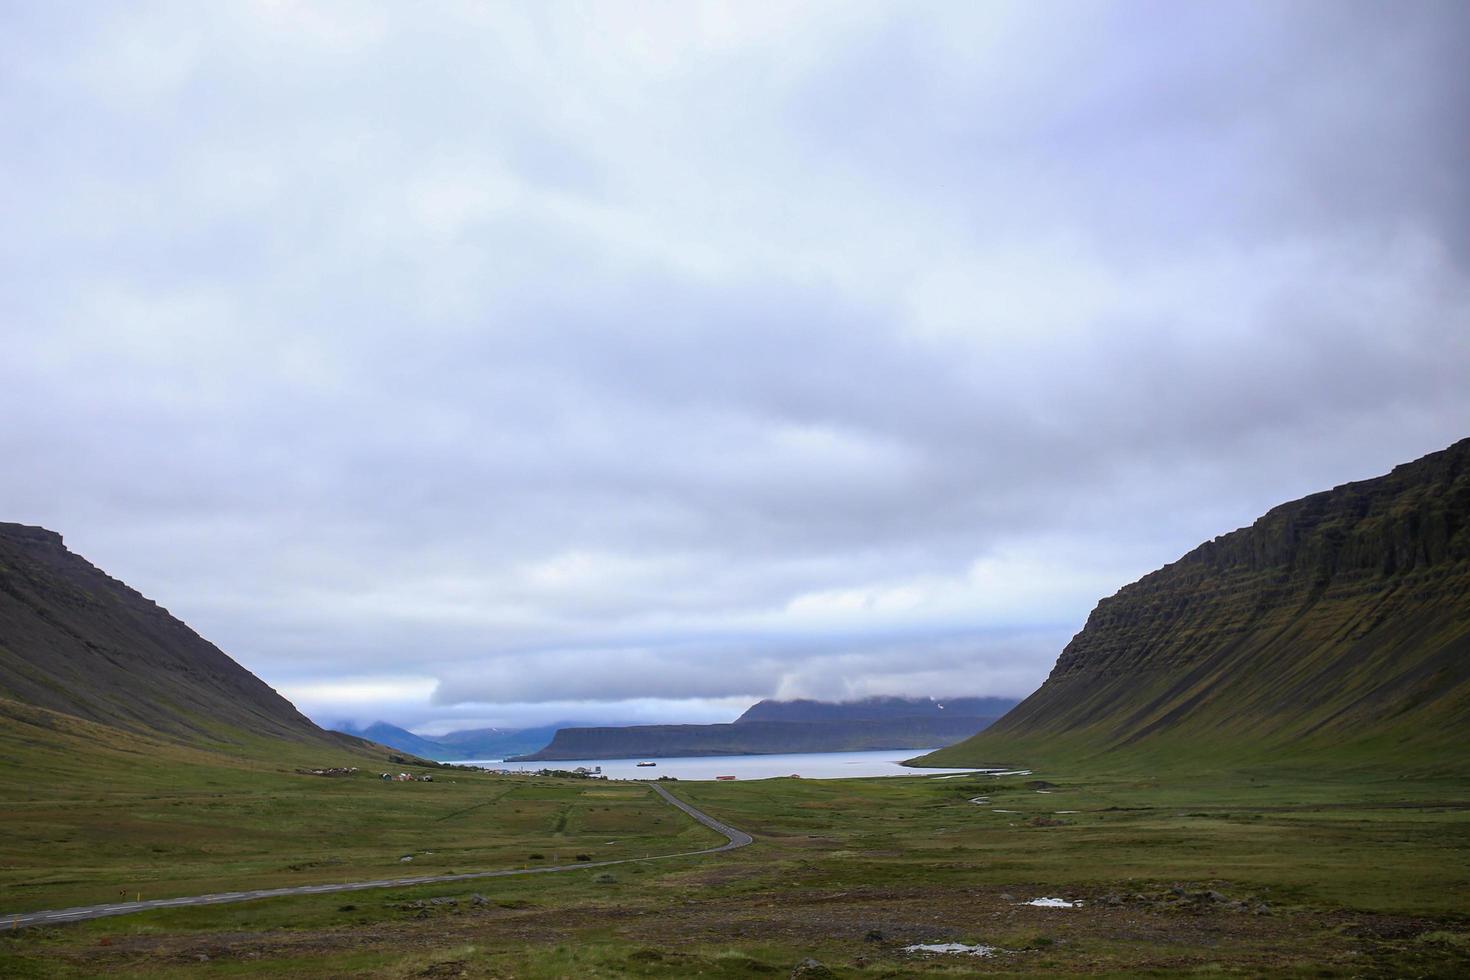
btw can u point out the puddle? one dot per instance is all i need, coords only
(1062, 812)
(994, 810)
(1011, 772)
(976, 950)
(1052, 903)
(982, 800)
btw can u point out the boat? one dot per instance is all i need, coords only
(643, 764)
(724, 777)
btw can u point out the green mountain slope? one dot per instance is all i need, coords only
(78, 643)
(1338, 622)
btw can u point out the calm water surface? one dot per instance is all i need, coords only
(808, 765)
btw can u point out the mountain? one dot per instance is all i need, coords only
(496, 743)
(396, 738)
(472, 743)
(76, 642)
(1338, 622)
(873, 709)
(773, 727)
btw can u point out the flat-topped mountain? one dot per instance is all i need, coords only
(1338, 620)
(875, 708)
(76, 641)
(774, 727)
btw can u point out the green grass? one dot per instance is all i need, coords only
(129, 816)
(1327, 870)
(1303, 834)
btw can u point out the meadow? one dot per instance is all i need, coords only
(1276, 870)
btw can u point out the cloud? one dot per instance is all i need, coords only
(695, 353)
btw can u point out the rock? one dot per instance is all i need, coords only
(810, 969)
(1214, 896)
(478, 899)
(1112, 900)
(874, 936)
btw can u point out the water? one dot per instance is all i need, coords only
(807, 765)
(949, 948)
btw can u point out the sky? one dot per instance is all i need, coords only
(471, 363)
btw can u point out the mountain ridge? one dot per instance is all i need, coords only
(755, 738)
(75, 641)
(875, 708)
(1339, 618)
(469, 743)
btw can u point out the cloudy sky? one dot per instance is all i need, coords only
(465, 363)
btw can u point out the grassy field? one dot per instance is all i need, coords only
(1264, 871)
(99, 816)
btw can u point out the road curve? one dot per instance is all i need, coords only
(733, 839)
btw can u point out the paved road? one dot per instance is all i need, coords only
(733, 839)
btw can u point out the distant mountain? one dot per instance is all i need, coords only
(396, 738)
(75, 641)
(773, 727)
(873, 709)
(474, 743)
(493, 743)
(1339, 622)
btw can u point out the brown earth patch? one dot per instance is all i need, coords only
(1137, 933)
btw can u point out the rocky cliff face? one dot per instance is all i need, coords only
(1341, 616)
(74, 640)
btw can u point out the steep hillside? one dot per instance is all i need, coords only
(1338, 620)
(756, 738)
(872, 709)
(77, 642)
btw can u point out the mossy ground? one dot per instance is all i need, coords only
(1315, 871)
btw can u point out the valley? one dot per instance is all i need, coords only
(1251, 762)
(1242, 872)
